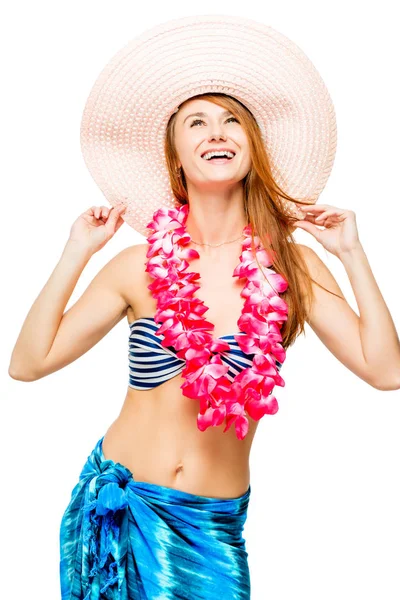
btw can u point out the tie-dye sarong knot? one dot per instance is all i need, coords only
(110, 488)
(106, 512)
(122, 539)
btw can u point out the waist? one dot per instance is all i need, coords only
(157, 439)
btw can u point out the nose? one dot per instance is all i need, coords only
(217, 136)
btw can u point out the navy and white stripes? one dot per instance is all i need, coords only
(150, 364)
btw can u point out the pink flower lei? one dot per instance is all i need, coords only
(185, 329)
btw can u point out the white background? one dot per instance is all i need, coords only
(323, 520)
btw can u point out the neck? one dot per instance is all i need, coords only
(216, 216)
(216, 229)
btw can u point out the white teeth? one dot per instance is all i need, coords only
(219, 153)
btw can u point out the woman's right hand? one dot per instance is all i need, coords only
(95, 227)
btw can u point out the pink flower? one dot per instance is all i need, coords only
(212, 417)
(236, 413)
(186, 330)
(201, 380)
(257, 405)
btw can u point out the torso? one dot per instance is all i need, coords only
(156, 434)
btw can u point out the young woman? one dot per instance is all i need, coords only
(214, 298)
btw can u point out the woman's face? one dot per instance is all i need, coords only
(214, 129)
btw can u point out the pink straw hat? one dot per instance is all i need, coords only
(125, 117)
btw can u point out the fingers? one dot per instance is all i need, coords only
(104, 212)
(115, 220)
(316, 209)
(317, 218)
(98, 212)
(323, 214)
(119, 223)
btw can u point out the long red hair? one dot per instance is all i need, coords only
(264, 210)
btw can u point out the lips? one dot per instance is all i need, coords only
(219, 161)
(217, 150)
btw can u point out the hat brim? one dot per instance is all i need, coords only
(125, 117)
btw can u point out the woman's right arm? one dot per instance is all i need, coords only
(51, 339)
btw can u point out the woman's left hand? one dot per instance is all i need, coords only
(340, 234)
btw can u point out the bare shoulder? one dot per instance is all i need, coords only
(311, 258)
(321, 276)
(127, 261)
(317, 268)
(130, 266)
(131, 257)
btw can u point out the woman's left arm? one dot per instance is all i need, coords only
(367, 344)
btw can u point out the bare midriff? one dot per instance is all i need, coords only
(156, 435)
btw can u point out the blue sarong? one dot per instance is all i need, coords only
(125, 539)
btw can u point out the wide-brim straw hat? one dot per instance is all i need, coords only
(125, 117)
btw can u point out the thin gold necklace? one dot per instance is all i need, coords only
(216, 245)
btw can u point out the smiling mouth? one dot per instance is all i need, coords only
(219, 160)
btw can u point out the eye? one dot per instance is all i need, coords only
(201, 120)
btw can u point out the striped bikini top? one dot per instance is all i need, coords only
(151, 364)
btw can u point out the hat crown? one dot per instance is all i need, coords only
(125, 117)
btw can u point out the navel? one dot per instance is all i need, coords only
(179, 468)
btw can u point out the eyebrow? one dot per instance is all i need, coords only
(203, 114)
